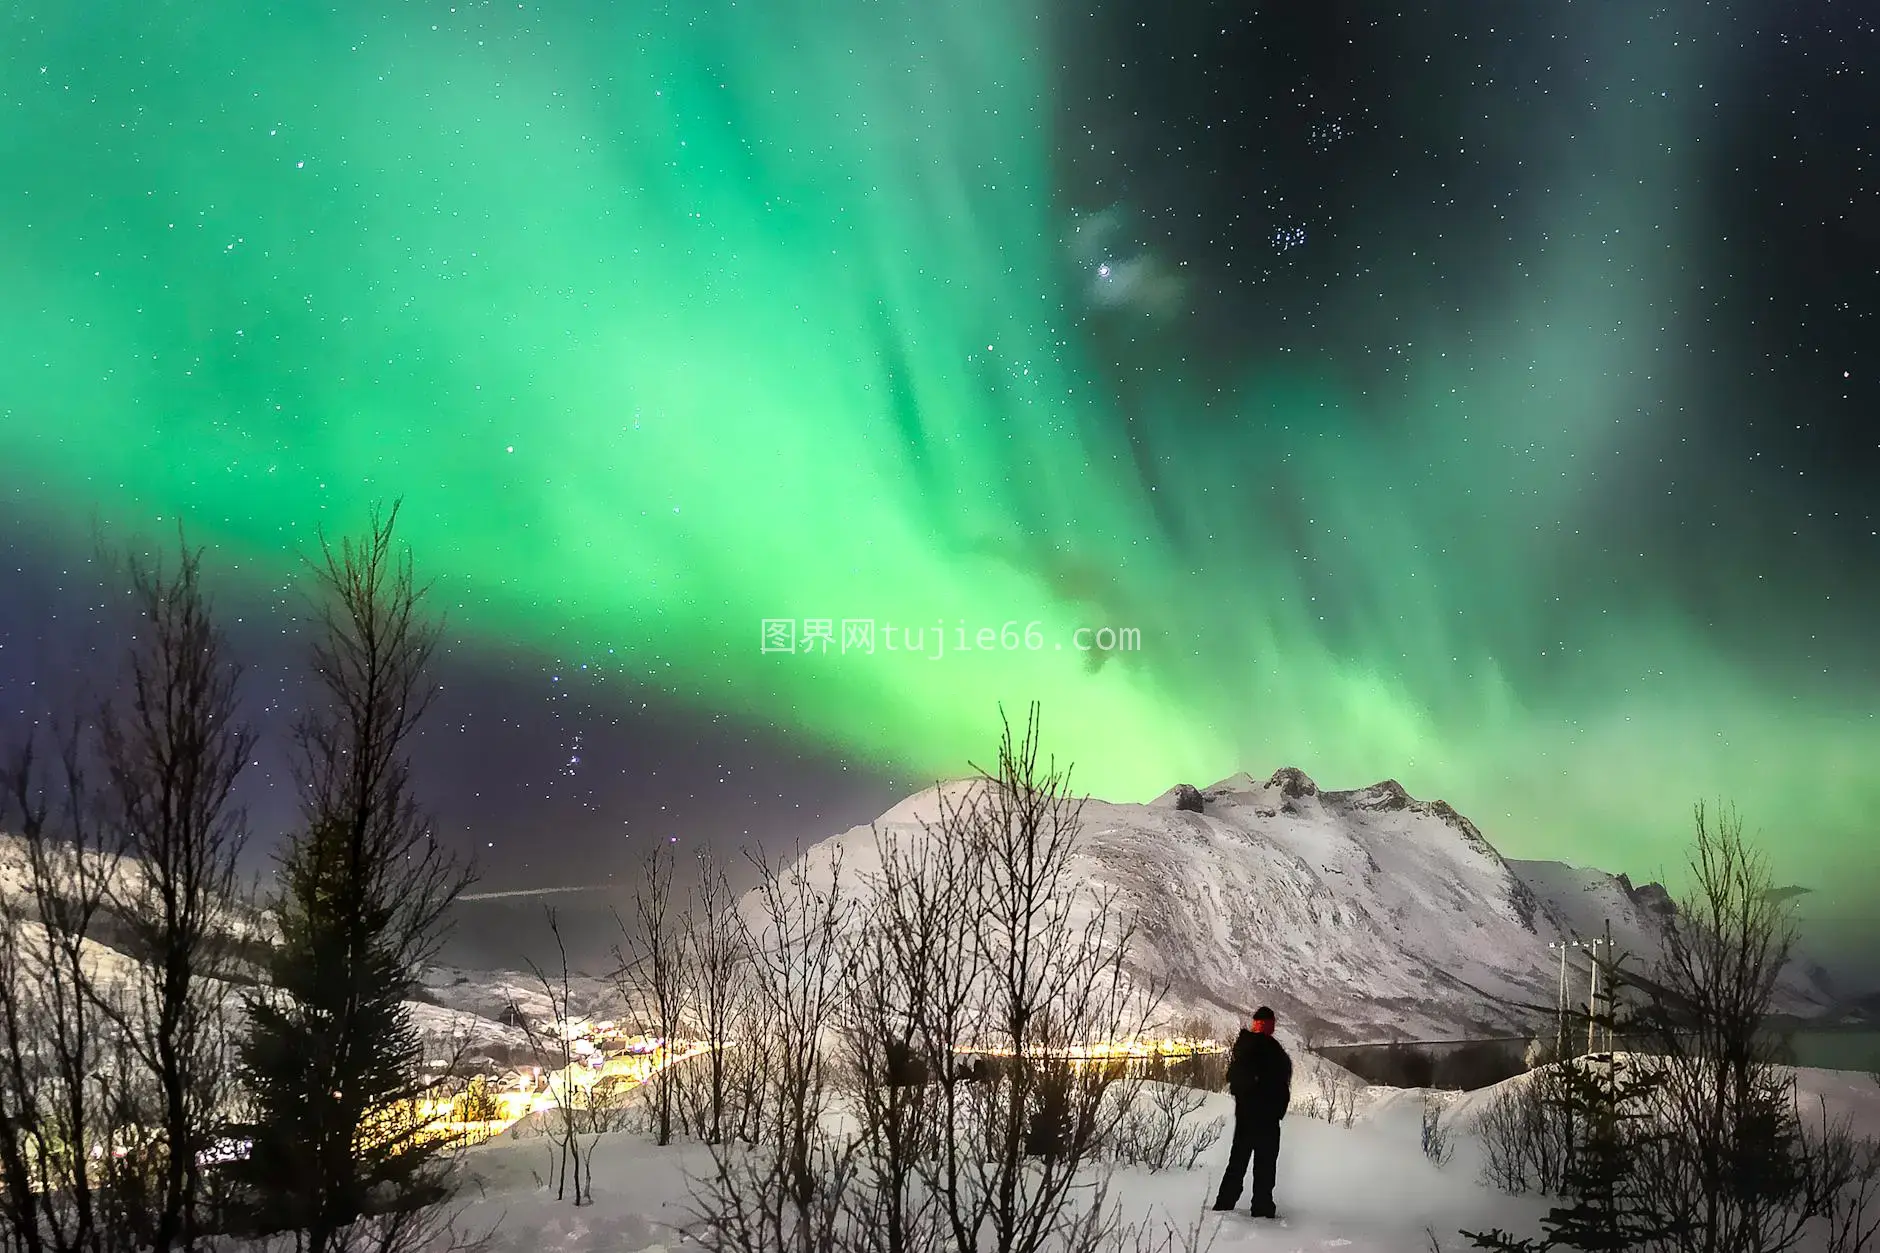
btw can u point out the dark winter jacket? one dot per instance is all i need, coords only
(1259, 1074)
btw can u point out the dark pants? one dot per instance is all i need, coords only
(1256, 1137)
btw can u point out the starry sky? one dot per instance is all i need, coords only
(1478, 395)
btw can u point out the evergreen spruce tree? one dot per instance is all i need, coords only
(332, 1059)
(1615, 1102)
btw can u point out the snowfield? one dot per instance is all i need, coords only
(1366, 1188)
(1362, 915)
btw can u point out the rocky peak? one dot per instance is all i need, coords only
(1387, 795)
(1293, 783)
(1653, 898)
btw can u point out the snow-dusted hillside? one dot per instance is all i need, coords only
(125, 883)
(460, 1007)
(1359, 915)
(485, 998)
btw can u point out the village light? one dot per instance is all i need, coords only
(1103, 1050)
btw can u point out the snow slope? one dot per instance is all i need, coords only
(643, 1195)
(1359, 915)
(1366, 1188)
(460, 1008)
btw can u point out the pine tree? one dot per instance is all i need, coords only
(332, 1059)
(1606, 1210)
(1615, 1102)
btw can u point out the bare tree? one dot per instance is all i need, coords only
(172, 750)
(332, 1059)
(554, 1053)
(1047, 982)
(1735, 1177)
(64, 1082)
(788, 1188)
(891, 1070)
(433, 1228)
(984, 977)
(1694, 1143)
(915, 998)
(651, 974)
(716, 963)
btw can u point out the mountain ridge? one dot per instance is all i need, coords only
(1360, 913)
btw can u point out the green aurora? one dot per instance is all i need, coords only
(661, 326)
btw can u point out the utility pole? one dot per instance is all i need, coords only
(1592, 993)
(1560, 1000)
(1612, 987)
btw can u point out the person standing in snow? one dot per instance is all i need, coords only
(1259, 1075)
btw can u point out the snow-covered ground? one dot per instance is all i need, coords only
(1366, 1188)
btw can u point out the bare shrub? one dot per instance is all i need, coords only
(1157, 1130)
(608, 1107)
(1168, 1235)
(1330, 1094)
(1602, 1206)
(1345, 1102)
(1437, 1136)
(477, 1102)
(1527, 1135)
(431, 1228)
(1846, 1184)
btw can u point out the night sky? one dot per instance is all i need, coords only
(1476, 394)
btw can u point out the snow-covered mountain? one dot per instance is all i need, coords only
(1359, 915)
